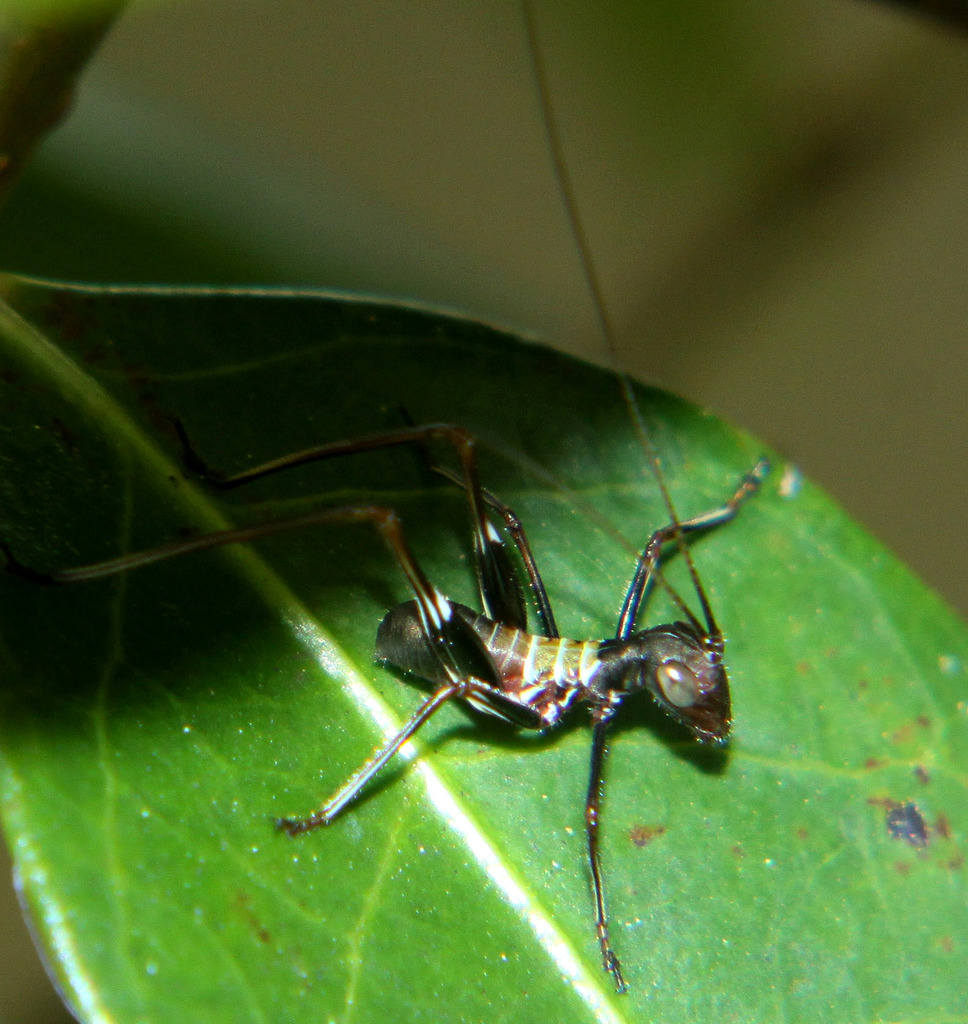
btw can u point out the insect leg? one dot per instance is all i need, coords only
(651, 557)
(186, 546)
(501, 593)
(513, 612)
(593, 804)
(459, 648)
(351, 788)
(462, 654)
(516, 529)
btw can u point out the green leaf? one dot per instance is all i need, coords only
(156, 722)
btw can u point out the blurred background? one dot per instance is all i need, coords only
(773, 193)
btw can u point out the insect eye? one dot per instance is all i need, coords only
(678, 684)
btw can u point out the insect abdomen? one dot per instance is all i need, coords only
(526, 659)
(401, 641)
(521, 658)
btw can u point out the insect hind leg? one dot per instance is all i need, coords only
(464, 660)
(501, 592)
(515, 528)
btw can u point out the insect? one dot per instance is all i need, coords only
(490, 660)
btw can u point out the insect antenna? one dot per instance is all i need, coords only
(566, 190)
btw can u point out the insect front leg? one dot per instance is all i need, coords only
(651, 557)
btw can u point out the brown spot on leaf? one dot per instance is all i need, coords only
(922, 775)
(906, 733)
(244, 903)
(642, 835)
(874, 762)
